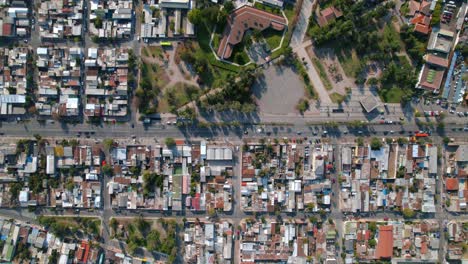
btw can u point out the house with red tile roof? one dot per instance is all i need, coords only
(451, 184)
(328, 15)
(420, 14)
(385, 243)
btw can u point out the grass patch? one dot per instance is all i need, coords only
(153, 51)
(337, 98)
(270, 9)
(272, 37)
(392, 94)
(63, 226)
(216, 40)
(350, 62)
(177, 170)
(302, 105)
(289, 12)
(322, 73)
(153, 80)
(177, 96)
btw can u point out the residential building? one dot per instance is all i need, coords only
(59, 81)
(111, 19)
(13, 80)
(59, 19)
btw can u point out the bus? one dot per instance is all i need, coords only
(422, 135)
(166, 43)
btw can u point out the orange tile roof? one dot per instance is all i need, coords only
(385, 244)
(436, 60)
(451, 184)
(423, 29)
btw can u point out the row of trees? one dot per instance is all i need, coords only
(415, 44)
(235, 91)
(147, 91)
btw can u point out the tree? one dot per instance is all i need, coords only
(440, 125)
(37, 137)
(156, 13)
(170, 142)
(360, 141)
(53, 258)
(372, 81)
(376, 144)
(15, 189)
(150, 181)
(222, 19)
(195, 16)
(108, 143)
(98, 22)
(402, 141)
(372, 243)
(107, 170)
(302, 106)
(447, 202)
(408, 213)
(446, 140)
(114, 224)
(256, 34)
(70, 185)
(436, 14)
(229, 6)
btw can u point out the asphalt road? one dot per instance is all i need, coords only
(28, 129)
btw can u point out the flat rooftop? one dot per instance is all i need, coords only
(431, 77)
(369, 103)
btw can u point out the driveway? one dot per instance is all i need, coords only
(302, 23)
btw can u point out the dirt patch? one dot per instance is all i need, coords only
(332, 68)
